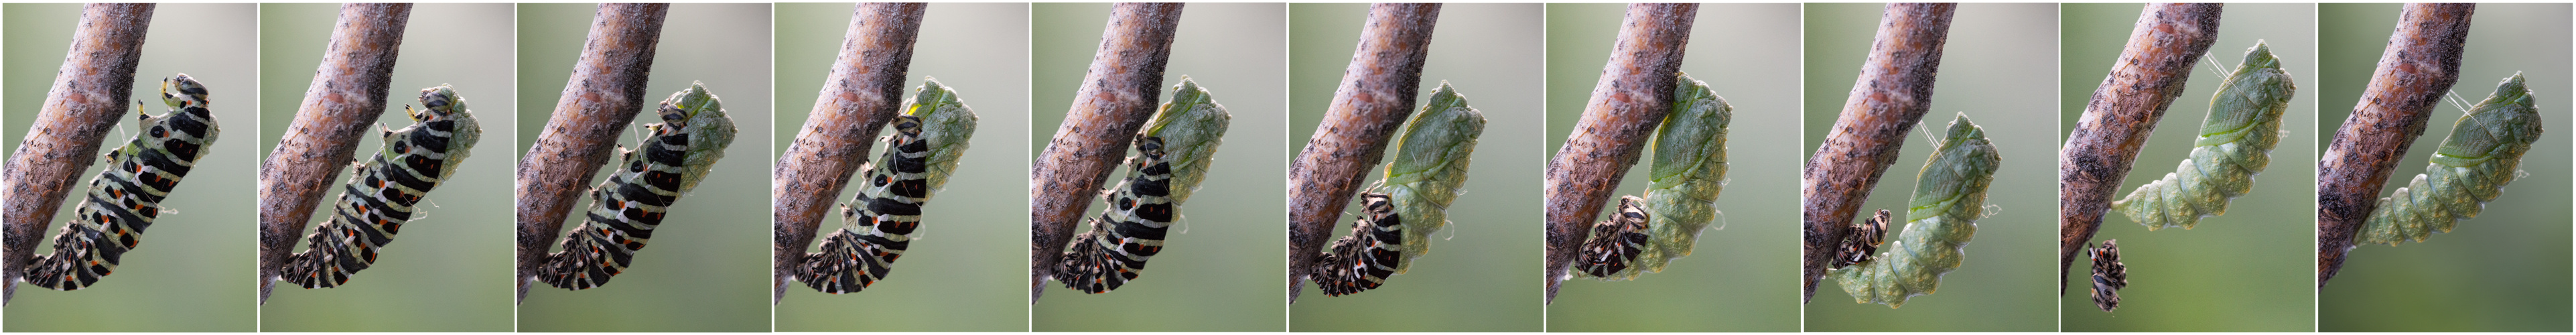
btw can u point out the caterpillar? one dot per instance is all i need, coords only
(1940, 219)
(1364, 259)
(1410, 202)
(126, 198)
(2109, 276)
(2470, 169)
(1689, 171)
(928, 139)
(628, 206)
(381, 195)
(1173, 154)
(2235, 143)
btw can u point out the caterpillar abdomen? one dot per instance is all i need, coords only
(1372, 252)
(1129, 232)
(2235, 143)
(630, 204)
(1948, 198)
(381, 195)
(125, 199)
(2471, 168)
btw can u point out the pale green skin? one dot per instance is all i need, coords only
(947, 125)
(1688, 172)
(710, 132)
(2471, 168)
(1191, 126)
(1949, 196)
(2235, 143)
(461, 141)
(1430, 164)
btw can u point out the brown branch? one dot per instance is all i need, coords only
(347, 94)
(864, 90)
(605, 92)
(88, 97)
(1634, 93)
(1118, 93)
(2168, 40)
(2420, 64)
(1894, 90)
(1375, 97)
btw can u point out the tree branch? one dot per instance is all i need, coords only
(605, 92)
(1630, 100)
(1375, 97)
(1894, 89)
(2168, 40)
(347, 94)
(1118, 93)
(2421, 62)
(87, 99)
(863, 91)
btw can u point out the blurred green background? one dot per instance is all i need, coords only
(1228, 275)
(2505, 270)
(451, 270)
(2248, 270)
(969, 271)
(1739, 278)
(194, 272)
(1996, 62)
(709, 268)
(1482, 274)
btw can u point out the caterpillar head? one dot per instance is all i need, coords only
(183, 92)
(1150, 146)
(436, 103)
(687, 103)
(1374, 202)
(907, 125)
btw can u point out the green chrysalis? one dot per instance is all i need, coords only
(2235, 144)
(1941, 217)
(2471, 168)
(1688, 172)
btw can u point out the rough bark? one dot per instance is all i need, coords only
(1628, 102)
(1374, 98)
(1118, 94)
(605, 92)
(339, 109)
(87, 99)
(2421, 62)
(1894, 90)
(2167, 42)
(864, 90)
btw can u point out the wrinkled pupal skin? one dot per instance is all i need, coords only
(2235, 143)
(2471, 168)
(1949, 196)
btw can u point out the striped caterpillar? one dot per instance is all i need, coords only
(381, 195)
(928, 139)
(1398, 216)
(2470, 169)
(1689, 171)
(2235, 144)
(629, 205)
(126, 198)
(1173, 154)
(1940, 219)
(2109, 276)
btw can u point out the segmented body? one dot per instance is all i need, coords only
(381, 195)
(2471, 168)
(630, 205)
(1949, 197)
(881, 226)
(1364, 259)
(2109, 276)
(1616, 241)
(1129, 232)
(126, 198)
(1864, 240)
(1689, 171)
(2235, 143)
